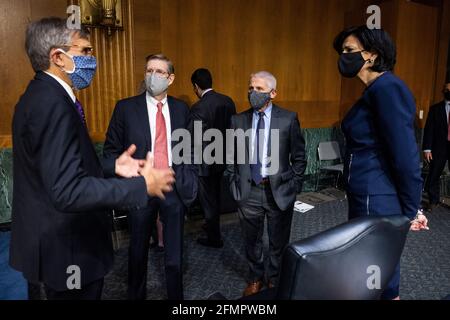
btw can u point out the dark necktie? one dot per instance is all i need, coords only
(256, 168)
(80, 111)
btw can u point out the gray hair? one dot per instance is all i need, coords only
(46, 34)
(267, 76)
(161, 57)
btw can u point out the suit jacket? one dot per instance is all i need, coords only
(288, 180)
(436, 131)
(61, 202)
(130, 125)
(214, 110)
(382, 155)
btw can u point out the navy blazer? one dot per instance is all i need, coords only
(214, 110)
(435, 135)
(60, 213)
(382, 155)
(130, 125)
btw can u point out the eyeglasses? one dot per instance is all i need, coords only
(87, 51)
(158, 72)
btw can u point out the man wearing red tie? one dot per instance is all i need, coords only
(436, 145)
(149, 121)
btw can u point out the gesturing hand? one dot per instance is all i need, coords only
(158, 181)
(127, 166)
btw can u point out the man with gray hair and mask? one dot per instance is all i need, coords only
(149, 121)
(61, 233)
(266, 183)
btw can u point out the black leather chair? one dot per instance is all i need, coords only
(337, 264)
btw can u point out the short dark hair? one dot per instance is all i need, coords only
(372, 40)
(160, 56)
(202, 77)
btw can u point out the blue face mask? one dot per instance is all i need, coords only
(83, 72)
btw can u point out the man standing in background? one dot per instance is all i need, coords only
(436, 145)
(214, 111)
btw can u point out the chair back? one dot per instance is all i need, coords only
(352, 261)
(329, 150)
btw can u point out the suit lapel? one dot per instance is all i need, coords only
(274, 124)
(443, 115)
(248, 125)
(45, 77)
(172, 112)
(142, 115)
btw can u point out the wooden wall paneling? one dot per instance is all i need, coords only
(115, 74)
(443, 47)
(146, 34)
(292, 39)
(16, 71)
(417, 51)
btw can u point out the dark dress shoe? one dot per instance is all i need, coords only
(212, 244)
(253, 288)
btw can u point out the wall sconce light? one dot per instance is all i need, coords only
(102, 14)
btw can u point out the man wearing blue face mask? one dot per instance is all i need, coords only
(61, 234)
(267, 183)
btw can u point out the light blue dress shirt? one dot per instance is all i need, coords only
(267, 118)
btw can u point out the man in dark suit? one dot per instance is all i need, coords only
(266, 174)
(150, 120)
(436, 145)
(212, 111)
(61, 233)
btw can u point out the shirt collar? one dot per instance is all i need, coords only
(206, 91)
(266, 112)
(155, 102)
(64, 85)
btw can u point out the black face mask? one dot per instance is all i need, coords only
(447, 95)
(350, 64)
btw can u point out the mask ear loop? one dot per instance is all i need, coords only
(368, 60)
(71, 57)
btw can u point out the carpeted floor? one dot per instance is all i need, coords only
(12, 284)
(425, 262)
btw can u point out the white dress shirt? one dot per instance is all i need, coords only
(267, 118)
(152, 111)
(64, 85)
(207, 90)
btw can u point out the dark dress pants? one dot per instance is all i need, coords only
(209, 198)
(378, 205)
(252, 214)
(437, 165)
(141, 222)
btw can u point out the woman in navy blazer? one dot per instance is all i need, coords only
(382, 165)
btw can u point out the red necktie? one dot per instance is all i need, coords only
(448, 127)
(161, 159)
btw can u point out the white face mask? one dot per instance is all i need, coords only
(156, 84)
